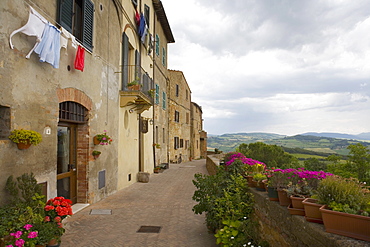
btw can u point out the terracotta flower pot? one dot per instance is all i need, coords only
(260, 186)
(53, 243)
(22, 146)
(96, 141)
(284, 199)
(249, 179)
(349, 225)
(312, 210)
(295, 211)
(297, 202)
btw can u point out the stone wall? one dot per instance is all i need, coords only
(281, 229)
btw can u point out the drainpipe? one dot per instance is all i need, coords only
(153, 84)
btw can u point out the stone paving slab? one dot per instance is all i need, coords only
(165, 201)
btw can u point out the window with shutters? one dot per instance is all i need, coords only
(157, 43)
(163, 135)
(177, 116)
(77, 17)
(164, 99)
(131, 61)
(164, 56)
(134, 2)
(157, 94)
(147, 14)
(4, 122)
(176, 142)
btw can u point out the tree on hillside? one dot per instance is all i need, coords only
(359, 161)
(333, 158)
(271, 155)
(314, 164)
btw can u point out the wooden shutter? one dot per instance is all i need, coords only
(138, 73)
(65, 14)
(157, 42)
(156, 93)
(164, 56)
(124, 60)
(88, 24)
(164, 96)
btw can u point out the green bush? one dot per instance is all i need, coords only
(228, 206)
(26, 205)
(344, 194)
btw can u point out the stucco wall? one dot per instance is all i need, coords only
(30, 89)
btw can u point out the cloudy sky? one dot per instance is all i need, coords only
(277, 66)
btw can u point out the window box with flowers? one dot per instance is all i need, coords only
(102, 139)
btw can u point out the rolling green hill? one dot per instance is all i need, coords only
(319, 145)
(228, 142)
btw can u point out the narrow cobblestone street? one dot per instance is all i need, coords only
(166, 201)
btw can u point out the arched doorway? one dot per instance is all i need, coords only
(72, 123)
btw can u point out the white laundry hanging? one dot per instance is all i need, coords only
(34, 27)
(65, 35)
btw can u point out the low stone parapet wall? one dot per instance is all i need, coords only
(281, 229)
(211, 163)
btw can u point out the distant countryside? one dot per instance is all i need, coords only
(303, 147)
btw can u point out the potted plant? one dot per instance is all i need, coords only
(157, 169)
(102, 139)
(258, 178)
(26, 236)
(57, 209)
(346, 207)
(25, 138)
(96, 154)
(134, 85)
(303, 184)
(25, 210)
(151, 93)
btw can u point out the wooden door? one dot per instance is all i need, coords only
(67, 161)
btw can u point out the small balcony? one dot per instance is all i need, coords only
(137, 88)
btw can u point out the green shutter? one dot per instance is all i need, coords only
(124, 60)
(157, 94)
(88, 24)
(157, 41)
(164, 56)
(164, 100)
(65, 14)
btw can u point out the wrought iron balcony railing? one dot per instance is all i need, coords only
(134, 78)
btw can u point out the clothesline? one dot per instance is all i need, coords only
(49, 40)
(32, 4)
(54, 22)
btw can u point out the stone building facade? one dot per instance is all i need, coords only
(198, 135)
(69, 106)
(179, 117)
(110, 76)
(161, 82)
